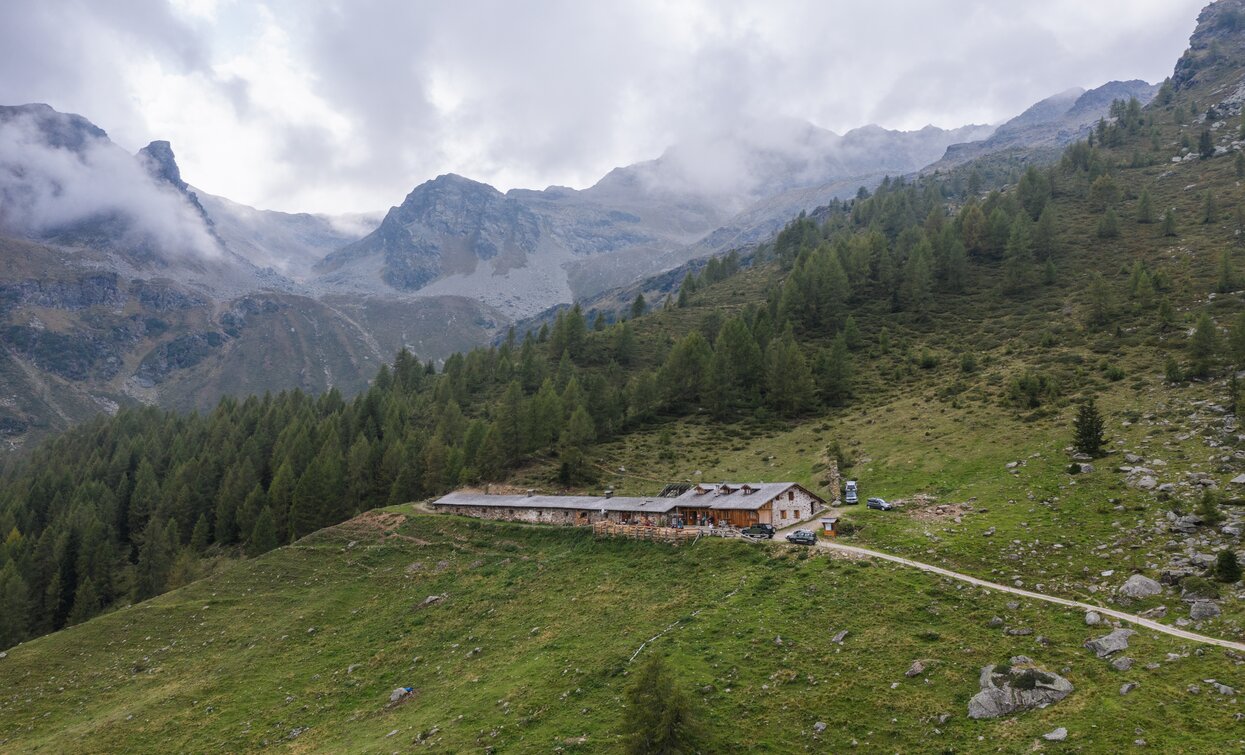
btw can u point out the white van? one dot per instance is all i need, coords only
(849, 494)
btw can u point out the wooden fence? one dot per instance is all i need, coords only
(641, 532)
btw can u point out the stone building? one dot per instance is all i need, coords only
(733, 504)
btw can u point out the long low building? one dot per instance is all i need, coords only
(733, 504)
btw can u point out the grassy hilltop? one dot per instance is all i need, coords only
(528, 652)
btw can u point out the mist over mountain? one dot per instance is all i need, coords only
(134, 286)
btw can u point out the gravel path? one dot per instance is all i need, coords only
(1130, 618)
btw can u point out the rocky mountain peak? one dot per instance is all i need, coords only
(1219, 37)
(160, 162)
(56, 129)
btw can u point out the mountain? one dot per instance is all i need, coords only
(524, 250)
(256, 300)
(1048, 126)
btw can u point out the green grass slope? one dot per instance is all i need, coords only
(529, 651)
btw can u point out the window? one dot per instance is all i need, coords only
(783, 513)
(790, 495)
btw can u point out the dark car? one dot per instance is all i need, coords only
(759, 530)
(802, 537)
(879, 503)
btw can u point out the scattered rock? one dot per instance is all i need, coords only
(1016, 688)
(311, 630)
(1223, 689)
(1140, 586)
(1123, 663)
(1111, 643)
(839, 637)
(401, 693)
(1194, 689)
(1203, 609)
(989, 532)
(995, 622)
(916, 669)
(1019, 632)
(1238, 480)
(1058, 735)
(943, 718)
(819, 727)
(1128, 687)
(1012, 605)
(431, 600)
(1092, 618)
(351, 668)
(1084, 467)
(1145, 482)
(778, 641)
(1157, 612)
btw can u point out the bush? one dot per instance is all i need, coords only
(1198, 587)
(1031, 389)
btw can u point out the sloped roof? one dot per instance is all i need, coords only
(575, 502)
(736, 495)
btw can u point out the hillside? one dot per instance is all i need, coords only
(933, 340)
(519, 639)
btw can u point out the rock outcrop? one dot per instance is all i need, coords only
(1015, 687)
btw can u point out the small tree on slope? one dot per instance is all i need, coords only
(1087, 428)
(658, 718)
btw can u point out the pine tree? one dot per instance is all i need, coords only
(1206, 145)
(14, 606)
(1087, 429)
(834, 372)
(1049, 274)
(1210, 208)
(851, 333)
(1046, 234)
(579, 433)
(1145, 209)
(1109, 224)
(638, 306)
(682, 375)
(1239, 164)
(263, 536)
(201, 536)
(1203, 347)
(788, 382)
(1101, 304)
(1227, 278)
(918, 279)
(658, 718)
(1018, 258)
(1236, 341)
(1169, 222)
(86, 603)
(1227, 568)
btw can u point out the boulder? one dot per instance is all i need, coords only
(1203, 609)
(1146, 482)
(839, 637)
(1238, 480)
(1139, 586)
(1015, 688)
(916, 669)
(1092, 618)
(1110, 643)
(399, 694)
(1128, 687)
(1058, 735)
(819, 727)
(1123, 663)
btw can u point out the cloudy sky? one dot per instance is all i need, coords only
(345, 105)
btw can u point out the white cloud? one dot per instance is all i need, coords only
(329, 105)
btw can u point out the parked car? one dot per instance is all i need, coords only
(759, 530)
(802, 537)
(879, 503)
(849, 493)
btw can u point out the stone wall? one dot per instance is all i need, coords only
(524, 514)
(787, 512)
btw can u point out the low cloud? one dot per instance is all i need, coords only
(46, 189)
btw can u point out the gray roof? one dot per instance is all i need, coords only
(746, 496)
(575, 502)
